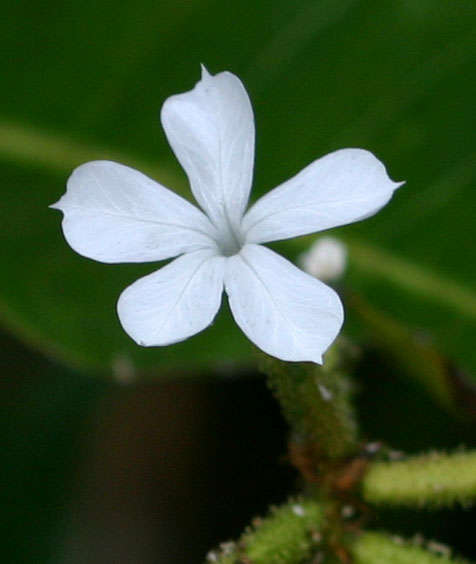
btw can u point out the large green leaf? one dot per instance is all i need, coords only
(84, 81)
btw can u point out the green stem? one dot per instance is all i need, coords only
(431, 480)
(288, 535)
(315, 402)
(378, 548)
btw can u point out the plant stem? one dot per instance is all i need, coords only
(288, 535)
(315, 401)
(432, 480)
(378, 548)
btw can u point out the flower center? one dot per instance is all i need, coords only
(229, 240)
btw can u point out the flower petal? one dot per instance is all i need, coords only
(113, 213)
(340, 188)
(285, 312)
(175, 302)
(211, 131)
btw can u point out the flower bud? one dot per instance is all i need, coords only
(326, 259)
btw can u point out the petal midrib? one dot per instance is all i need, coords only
(142, 220)
(182, 292)
(227, 226)
(298, 207)
(251, 267)
(253, 270)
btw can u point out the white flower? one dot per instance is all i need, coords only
(326, 259)
(113, 213)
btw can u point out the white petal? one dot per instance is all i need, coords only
(284, 311)
(175, 302)
(113, 213)
(211, 131)
(342, 187)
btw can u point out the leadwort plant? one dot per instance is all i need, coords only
(114, 214)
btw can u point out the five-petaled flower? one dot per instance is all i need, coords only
(115, 214)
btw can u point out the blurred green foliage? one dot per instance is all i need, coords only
(87, 80)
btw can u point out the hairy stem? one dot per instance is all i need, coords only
(315, 401)
(288, 535)
(431, 480)
(378, 548)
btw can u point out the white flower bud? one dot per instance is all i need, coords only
(326, 259)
